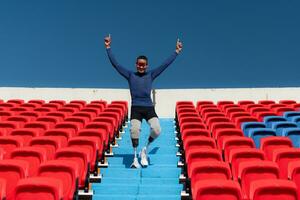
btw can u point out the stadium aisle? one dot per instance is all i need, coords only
(158, 181)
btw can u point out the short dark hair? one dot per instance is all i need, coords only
(142, 57)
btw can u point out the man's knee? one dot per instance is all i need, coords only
(135, 129)
(155, 127)
(156, 130)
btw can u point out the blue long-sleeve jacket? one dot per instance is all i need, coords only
(140, 85)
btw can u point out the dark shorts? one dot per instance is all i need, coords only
(142, 112)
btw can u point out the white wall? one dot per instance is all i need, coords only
(165, 98)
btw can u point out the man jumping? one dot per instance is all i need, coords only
(140, 84)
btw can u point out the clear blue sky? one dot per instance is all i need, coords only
(56, 43)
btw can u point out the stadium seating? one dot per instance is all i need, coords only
(36, 136)
(260, 141)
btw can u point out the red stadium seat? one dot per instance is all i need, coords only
(227, 107)
(283, 156)
(227, 132)
(269, 144)
(287, 102)
(194, 155)
(101, 134)
(248, 107)
(41, 126)
(74, 126)
(49, 143)
(67, 172)
(5, 114)
(190, 119)
(68, 110)
(2, 189)
(8, 105)
(89, 116)
(37, 101)
(33, 115)
(226, 190)
(203, 102)
(60, 114)
(39, 188)
(33, 155)
(255, 110)
(26, 133)
(240, 120)
(205, 170)
(63, 133)
(82, 120)
(207, 116)
(61, 102)
(250, 171)
(104, 103)
(43, 111)
(53, 106)
(208, 110)
(266, 102)
(30, 105)
(281, 110)
(21, 120)
(294, 173)
(81, 156)
(100, 107)
(12, 171)
(260, 115)
(276, 105)
(20, 109)
(2, 154)
(95, 111)
(192, 125)
(234, 142)
(235, 115)
(233, 110)
(71, 107)
(245, 102)
(194, 132)
(199, 142)
(273, 190)
(220, 104)
(9, 125)
(110, 120)
(112, 115)
(82, 102)
(3, 132)
(52, 120)
(92, 145)
(237, 156)
(9, 143)
(213, 120)
(102, 126)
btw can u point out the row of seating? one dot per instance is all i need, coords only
(213, 146)
(33, 144)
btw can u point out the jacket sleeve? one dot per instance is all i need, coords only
(157, 71)
(122, 70)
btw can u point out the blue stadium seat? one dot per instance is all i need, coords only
(293, 134)
(257, 133)
(290, 114)
(271, 119)
(280, 126)
(295, 119)
(246, 126)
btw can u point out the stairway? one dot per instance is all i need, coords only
(159, 181)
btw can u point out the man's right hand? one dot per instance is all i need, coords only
(107, 41)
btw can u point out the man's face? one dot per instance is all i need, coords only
(141, 65)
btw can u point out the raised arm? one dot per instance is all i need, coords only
(122, 70)
(157, 71)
